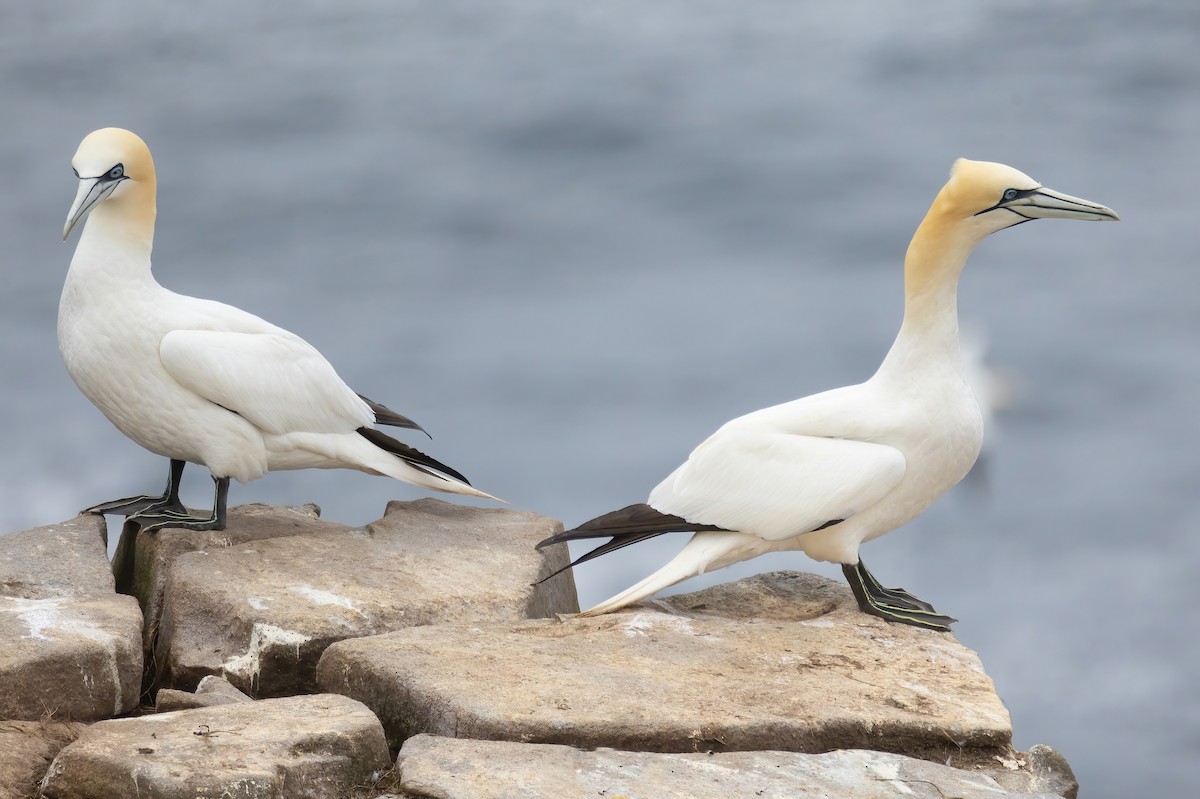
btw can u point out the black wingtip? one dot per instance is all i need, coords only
(385, 415)
(631, 520)
(410, 455)
(629, 525)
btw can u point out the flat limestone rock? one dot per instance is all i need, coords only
(211, 691)
(304, 747)
(447, 768)
(143, 560)
(26, 749)
(65, 559)
(71, 646)
(809, 673)
(72, 657)
(261, 613)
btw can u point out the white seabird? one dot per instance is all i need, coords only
(195, 380)
(827, 472)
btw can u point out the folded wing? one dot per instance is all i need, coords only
(279, 383)
(777, 485)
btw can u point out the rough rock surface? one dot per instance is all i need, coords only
(447, 768)
(305, 747)
(72, 647)
(261, 613)
(65, 559)
(211, 691)
(26, 749)
(77, 658)
(143, 560)
(779, 661)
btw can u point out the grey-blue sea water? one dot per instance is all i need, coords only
(572, 239)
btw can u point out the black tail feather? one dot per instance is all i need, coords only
(640, 519)
(385, 415)
(629, 525)
(617, 542)
(410, 455)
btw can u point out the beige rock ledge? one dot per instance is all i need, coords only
(143, 560)
(260, 613)
(211, 691)
(308, 747)
(65, 559)
(71, 658)
(26, 749)
(72, 647)
(780, 661)
(447, 768)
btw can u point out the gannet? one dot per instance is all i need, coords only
(197, 381)
(825, 473)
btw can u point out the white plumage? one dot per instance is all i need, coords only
(195, 380)
(827, 472)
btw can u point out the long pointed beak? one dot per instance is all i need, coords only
(1043, 203)
(91, 192)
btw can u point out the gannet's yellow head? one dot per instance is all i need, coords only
(112, 165)
(992, 196)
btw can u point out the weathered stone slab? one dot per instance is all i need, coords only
(26, 749)
(71, 657)
(305, 747)
(448, 768)
(143, 560)
(65, 559)
(778, 661)
(261, 613)
(211, 691)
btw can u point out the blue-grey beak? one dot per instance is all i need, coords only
(91, 192)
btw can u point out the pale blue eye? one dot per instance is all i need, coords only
(116, 172)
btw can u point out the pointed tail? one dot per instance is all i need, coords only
(418, 468)
(629, 525)
(707, 551)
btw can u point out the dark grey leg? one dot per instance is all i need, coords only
(180, 518)
(131, 506)
(892, 604)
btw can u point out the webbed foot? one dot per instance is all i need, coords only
(892, 604)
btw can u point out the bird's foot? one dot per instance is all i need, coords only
(157, 519)
(896, 597)
(892, 604)
(134, 506)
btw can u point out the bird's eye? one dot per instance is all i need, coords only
(116, 172)
(1010, 194)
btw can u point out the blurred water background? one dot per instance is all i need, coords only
(573, 239)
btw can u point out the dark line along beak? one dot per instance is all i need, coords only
(1043, 203)
(91, 192)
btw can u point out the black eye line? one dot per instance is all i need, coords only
(105, 176)
(1020, 195)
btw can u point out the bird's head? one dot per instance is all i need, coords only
(111, 164)
(991, 197)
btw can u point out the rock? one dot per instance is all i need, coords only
(143, 560)
(448, 768)
(261, 613)
(72, 646)
(26, 749)
(218, 687)
(305, 747)
(211, 691)
(65, 559)
(76, 658)
(779, 661)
